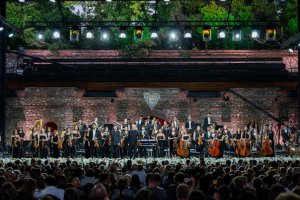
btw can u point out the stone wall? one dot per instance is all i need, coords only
(64, 106)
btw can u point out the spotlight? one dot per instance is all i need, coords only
(173, 35)
(122, 34)
(236, 35)
(222, 33)
(206, 33)
(74, 34)
(1, 28)
(89, 34)
(255, 33)
(10, 33)
(291, 50)
(138, 32)
(56, 34)
(53, 1)
(40, 35)
(271, 34)
(104, 34)
(108, 0)
(187, 33)
(22, 1)
(153, 33)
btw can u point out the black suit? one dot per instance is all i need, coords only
(140, 124)
(132, 142)
(187, 125)
(207, 123)
(115, 140)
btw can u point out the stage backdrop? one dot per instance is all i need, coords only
(64, 106)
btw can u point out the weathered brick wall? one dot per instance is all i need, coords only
(66, 105)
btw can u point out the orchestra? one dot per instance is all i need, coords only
(150, 137)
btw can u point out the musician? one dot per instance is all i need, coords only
(94, 138)
(154, 132)
(22, 136)
(197, 137)
(96, 122)
(189, 124)
(286, 134)
(115, 140)
(173, 141)
(185, 139)
(149, 128)
(227, 137)
(132, 141)
(87, 144)
(221, 137)
(43, 141)
(126, 123)
(105, 140)
(55, 142)
(68, 144)
(49, 134)
(175, 123)
(144, 133)
(156, 123)
(160, 138)
(148, 120)
(270, 135)
(76, 137)
(82, 128)
(124, 143)
(15, 143)
(34, 142)
(140, 123)
(208, 121)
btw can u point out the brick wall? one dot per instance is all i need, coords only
(65, 105)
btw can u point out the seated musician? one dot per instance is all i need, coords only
(160, 138)
(186, 140)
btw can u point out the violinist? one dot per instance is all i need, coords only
(115, 137)
(15, 143)
(198, 139)
(49, 134)
(175, 123)
(160, 138)
(124, 142)
(76, 138)
(94, 136)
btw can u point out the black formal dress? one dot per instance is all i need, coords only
(114, 144)
(55, 146)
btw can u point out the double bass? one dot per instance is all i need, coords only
(245, 146)
(184, 144)
(266, 147)
(214, 147)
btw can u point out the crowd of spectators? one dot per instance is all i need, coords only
(135, 180)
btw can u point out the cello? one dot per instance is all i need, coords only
(245, 146)
(184, 144)
(214, 147)
(266, 147)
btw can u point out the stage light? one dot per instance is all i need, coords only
(236, 34)
(153, 33)
(173, 35)
(53, 1)
(74, 34)
(89, 34)
(1, 28)
(187, 33)
(22, 1)
(222, 33)
(40, 35)
(271, 34)
(122, 34)
(10, 33)
(206, 33)
(138, 32)
(291, 50)
(104, 34)
(255, 33)
(56, 34)
(108, 0)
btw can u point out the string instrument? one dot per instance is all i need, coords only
(35, 144)
(237, 145)
(214, 147)
(245, 148)
(183, 148)
(266, 147)
(70, 142)
(122, 143)
(59, 145)
(14, 142)
(200, 140)
(96, 143)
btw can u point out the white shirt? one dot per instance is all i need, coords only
(50, 190)
(94, 133)
(190, 124)
(208, 120)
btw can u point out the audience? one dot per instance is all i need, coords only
(73, 180)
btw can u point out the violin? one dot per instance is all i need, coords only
(200, 140)
(96, 143)
(59, 145)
